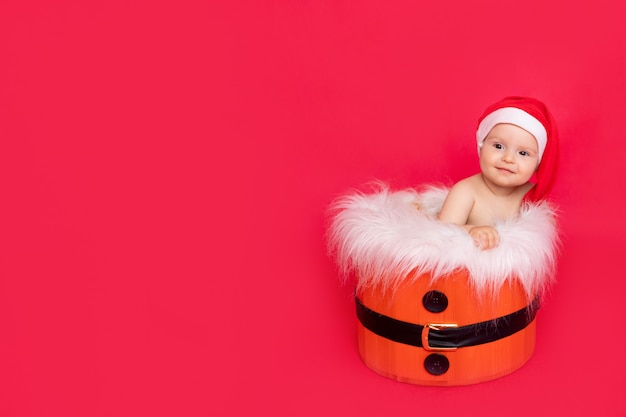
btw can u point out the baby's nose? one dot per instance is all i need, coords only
(508, 157)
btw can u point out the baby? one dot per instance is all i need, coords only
(517, 146)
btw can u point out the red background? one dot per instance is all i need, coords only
(165, 168)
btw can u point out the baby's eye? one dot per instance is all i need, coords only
(498, 146)
(523, 153)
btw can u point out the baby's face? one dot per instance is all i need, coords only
(509, 155)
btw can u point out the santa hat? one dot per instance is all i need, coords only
(533, 116)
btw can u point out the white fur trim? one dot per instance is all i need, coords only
(517, 117)
(384, 239)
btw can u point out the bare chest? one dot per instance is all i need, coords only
(488, 211)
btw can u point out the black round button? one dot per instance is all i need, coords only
(436, 364)
(435, 301)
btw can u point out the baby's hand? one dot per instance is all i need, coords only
(485, 237)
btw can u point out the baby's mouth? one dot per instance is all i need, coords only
(501, 169)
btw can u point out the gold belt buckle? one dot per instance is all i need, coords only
(436, 326)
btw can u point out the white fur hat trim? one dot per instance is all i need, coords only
(517, 117)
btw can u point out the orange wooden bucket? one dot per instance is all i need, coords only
(398, 329)
(433, 308)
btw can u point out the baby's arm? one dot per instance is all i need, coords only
(457, 208)
(458, 204)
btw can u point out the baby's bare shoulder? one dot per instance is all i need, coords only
(469, 185)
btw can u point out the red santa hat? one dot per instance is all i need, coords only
(533, 116)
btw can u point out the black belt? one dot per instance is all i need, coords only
(442, 336)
